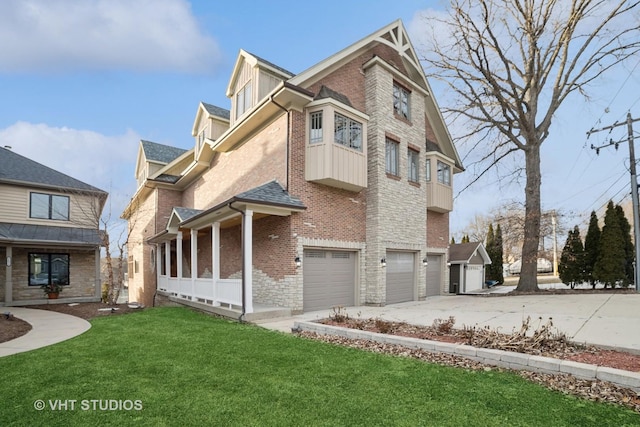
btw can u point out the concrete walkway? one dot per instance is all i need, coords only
(605, 319)
(48, 327)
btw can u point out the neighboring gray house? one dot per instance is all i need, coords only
(467, 267)
(49, 233)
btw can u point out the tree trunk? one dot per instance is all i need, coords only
(529, 270)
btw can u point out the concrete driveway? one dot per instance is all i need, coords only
(604, 319)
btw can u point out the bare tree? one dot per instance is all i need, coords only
(512, 63)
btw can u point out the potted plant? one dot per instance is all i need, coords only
(52, 290)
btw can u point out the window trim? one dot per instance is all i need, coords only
(49, 256)
(388, 141)
(50, 212)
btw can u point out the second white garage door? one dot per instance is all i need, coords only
(329, 279)
(400, 276)
(434, 275)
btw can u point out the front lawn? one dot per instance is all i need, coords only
(173, 366)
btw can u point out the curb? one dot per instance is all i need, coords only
(500, 358)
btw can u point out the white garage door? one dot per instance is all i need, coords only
(474, 279)
(434, 275)
(329, 279)
(400, 276)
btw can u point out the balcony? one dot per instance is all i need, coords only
(439, 197)
(336, 165)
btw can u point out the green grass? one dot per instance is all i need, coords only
(187, 368)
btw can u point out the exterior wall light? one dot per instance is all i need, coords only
(8, 261)
(298, 262)
(425, 261)
(383, 262)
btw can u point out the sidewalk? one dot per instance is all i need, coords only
(48, 327)
(605, 319)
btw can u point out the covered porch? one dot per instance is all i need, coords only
(193, 267)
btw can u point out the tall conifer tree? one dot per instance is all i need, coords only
(610, 266)
(591, 248)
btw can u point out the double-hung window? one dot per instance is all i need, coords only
(49, 206)
(444, 173)
(427, 170)
(413, 161)
(315, 131)
(243, 100)
(401, 102)
(392, 161)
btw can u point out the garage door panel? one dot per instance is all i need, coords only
(329, 279)
(400, 277)
(434, 275)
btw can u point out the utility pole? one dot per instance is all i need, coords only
(555, 245)
(634, 184)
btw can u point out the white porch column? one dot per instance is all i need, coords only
(8, 285)
(179, 254)
(158, 261)
(215, 259)
(194, 261)
(98, 281)
(248, 260)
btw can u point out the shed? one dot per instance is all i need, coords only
(467, 261)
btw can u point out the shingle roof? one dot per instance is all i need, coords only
(271, 193)
(51, 234)
(217, 111)
(271, 64)
(15, 168)
(171, 179)
(326, 92)
(161, 153)
(186, 213)
(433, 146)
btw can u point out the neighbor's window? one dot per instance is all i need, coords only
(243, 99)
(427, 170)
(315, 133)
(401, 98)
(412, 163)
(46, 269)
(444, 173)
(347, 132)
(49, 206)
(391, 158)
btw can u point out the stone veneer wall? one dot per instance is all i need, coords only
(396, 208)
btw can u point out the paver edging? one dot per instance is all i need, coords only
(501, 358)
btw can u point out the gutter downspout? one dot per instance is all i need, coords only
(230, 206)
(288, 131)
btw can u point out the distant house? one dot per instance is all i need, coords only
(49, 233)
(328, 187)
(467, 267)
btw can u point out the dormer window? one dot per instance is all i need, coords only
(201, 137)
(243, 99)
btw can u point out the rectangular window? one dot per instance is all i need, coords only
(315, 133)
(347, 132)
(413, 164)
(444, 173)
(201, 137)
(243, 100)
(49, 206)
(427, 170)
(401, 101)
(47, 269)
(391, 158)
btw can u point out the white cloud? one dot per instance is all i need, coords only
(106, 162)
(139, 35)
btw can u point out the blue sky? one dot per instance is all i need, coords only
(82, 82)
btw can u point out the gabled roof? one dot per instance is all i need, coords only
(17, 169)
(326, 92)
(253, 60)
(160, 153)
(461, 253)
(184, 214)
(217, 111)
(28, 233)
(271, 193)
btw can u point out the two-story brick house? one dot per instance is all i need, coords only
(328, 187)
(49, 233)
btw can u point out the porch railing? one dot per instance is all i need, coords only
(216, 292)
